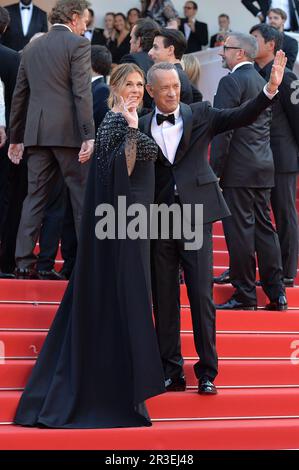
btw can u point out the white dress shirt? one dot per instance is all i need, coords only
(167, 135)
(2, 106)
(26, 15)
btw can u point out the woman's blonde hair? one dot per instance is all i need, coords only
(191, 66)
(118, 79)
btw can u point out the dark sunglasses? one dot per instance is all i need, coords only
(225, 48)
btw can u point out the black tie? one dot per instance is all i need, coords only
(25, 8)
(161, 118)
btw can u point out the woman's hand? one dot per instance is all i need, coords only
(128, 109)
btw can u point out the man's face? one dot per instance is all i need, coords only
(26, 2)
(160, 53)
(231, 53)
(90, 20)
(189, 10)
(134, 42)
(223, 23)
(264, 48)
(79, 23)
(165, 90)
(276, 21)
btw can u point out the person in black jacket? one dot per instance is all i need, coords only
(101, 61)
(277, 19)
(264, 6)
(26, 20)
(284, 142)
(11, 189)
(183, 176)
(243, 161)
(169, 46)
(218, 39)
(141, 42)
(195, 32)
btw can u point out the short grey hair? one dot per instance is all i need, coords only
(247, 42)
(150, 78)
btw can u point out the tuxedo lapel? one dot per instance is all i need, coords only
(186, 113)
(147, 130)
(18, 19)
(34, 17)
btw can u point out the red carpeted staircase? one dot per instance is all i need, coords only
(258, 402)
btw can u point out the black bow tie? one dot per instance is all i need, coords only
(161, 118)
(25, 8)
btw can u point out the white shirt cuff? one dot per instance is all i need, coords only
(269, 95)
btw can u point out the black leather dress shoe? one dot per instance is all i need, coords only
(50, 275)
(223, 278)
(65, 275)
(288, 281)
(233, 304)
(278, 304)
(206, 387)
(26, 273)
(175, 385)
(7, 276)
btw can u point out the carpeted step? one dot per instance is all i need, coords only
(228, 403)
(26, 345)
(208, 435)
(35, 291)
(23, 316)
(232, 373)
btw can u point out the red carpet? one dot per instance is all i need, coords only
(258, 402)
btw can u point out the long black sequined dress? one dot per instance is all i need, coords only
(100, 360)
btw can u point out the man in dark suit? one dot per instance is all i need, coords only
(10, 187)
(58, 126)
(243, 161)
(277, 19)
(142, 38)
(183, 176)
(195, 32)
(264, 7)
(285, 147)
(101, 60)
(26, 20)
(169, 46)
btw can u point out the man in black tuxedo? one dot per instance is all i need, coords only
(277, 19)
(285, 147)
(265, 5)
(169, 46)
(243, 161)
(26, 20)
(184, 176)
(142, 37)
(10, 177)
(195, 32)
(101, 60)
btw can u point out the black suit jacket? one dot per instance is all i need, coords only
(100, 94)
(191, 173)
(14, 37)
(265, 5)
(290, 47)
(197, 39)
(143, 60)
(285, 124)
(243, 158)
(9, 64)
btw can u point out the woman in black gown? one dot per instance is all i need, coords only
(100, 360)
